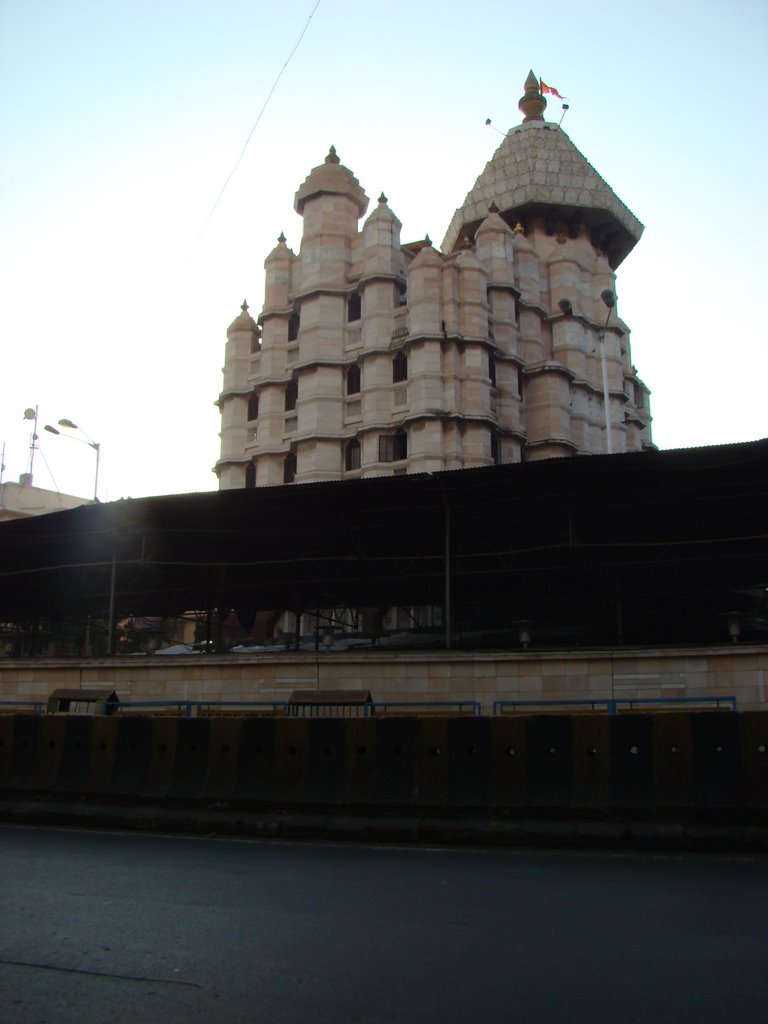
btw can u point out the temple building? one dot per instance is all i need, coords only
(374, 357)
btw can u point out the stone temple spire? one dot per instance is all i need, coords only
(361, 340)
(538, 167)
(532, 103)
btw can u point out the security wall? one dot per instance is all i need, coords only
(737, 670)
(689, 763)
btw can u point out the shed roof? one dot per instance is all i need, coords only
(538, 539)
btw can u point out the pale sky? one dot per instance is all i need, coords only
(120, 122)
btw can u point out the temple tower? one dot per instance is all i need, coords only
(373, 357)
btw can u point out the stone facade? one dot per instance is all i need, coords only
(373, 357)
(623, 674)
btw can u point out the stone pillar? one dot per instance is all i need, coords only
(382, 272)
(528, 278)
(278, 277)
(242, 342)
(331, 202)
(425, 293)
(473, 296)
(495, 252)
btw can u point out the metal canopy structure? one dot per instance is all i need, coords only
(648, 546)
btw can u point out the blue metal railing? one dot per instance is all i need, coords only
(206, 707)
(727, 700)
(183, 707)
(612, 705)
(203, 708)
(190, 708)
(439, 707)
(501, 707)
(37, 705)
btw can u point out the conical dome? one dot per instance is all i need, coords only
(382, 213)
(331, 178)
(243, 322)
(280, 251)
(538, 167)
(494, 224)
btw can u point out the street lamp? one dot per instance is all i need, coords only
(87, 439)
(609, 300)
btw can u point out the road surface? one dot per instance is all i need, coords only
(118, 927)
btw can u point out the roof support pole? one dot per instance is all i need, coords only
(447, 572)
(609, 300)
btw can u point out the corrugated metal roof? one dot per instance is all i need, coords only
(532, 537)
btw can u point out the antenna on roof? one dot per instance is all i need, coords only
(34, 444)
(566, 108)
(489, 125)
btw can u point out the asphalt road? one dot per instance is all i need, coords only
(116, 927)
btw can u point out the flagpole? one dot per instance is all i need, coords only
(544, 88)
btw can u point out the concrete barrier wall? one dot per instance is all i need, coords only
(740, 670)
(706, 761)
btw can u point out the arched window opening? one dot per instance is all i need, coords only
(352, 455)
(291, 395)
(289, 468)
(399, 368)
(492, 369)
(253, 405)
(354, 307)
(393, 447)
(250, 475)
(495, 449)
(353, 380)
(293, 327)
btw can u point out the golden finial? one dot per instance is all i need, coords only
(518, 229)
(532, 103)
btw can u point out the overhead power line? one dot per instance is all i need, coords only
(259, 117)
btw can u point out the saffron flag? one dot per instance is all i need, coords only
(549, 88)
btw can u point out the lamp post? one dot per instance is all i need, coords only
(86, 439)
(609, 300)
